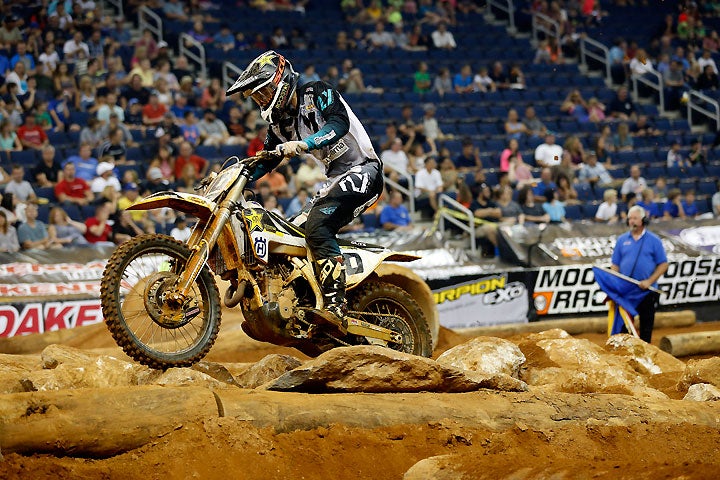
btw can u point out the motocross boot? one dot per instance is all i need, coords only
(331, 273)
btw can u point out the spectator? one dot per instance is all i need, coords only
(546, 183)
(596, 110)
(417, 40)
(566, 193)
(607, 211)
(85, 164)
(706, 59)
(622, 140)
(483, 207)
(697, 154)
(48, 171)
(213, 96)
(640, 64)
(469, 157)
(85, 100)
(124, 228)
(19, 187)
(442, 38)
(394, 215)
(708, 80)
(71, 189)
(634, 184)
(64, 81)
(431, 128)
(594, 173)
(190, 129)
(105, 178)
(673, 207)
(135, 89)
(648, 203)
(165, 82)
(297, 203)
(482, 81)
(72, 47)
(510, 210)
(548, 154)
(8, 235)
(23, 56)
(519, 172)
(409, 130)
(309, 75)
(532, 212)
(99, 230)
(224, 39)
(422, 83)
(621, 107)
(258, 142)
(31, 135)
(175, 10)
(379, 38)
(660, 189)
(214, 132)
(65, 231)
(499, 76)
(514, 128)
(554, 207)
(428, 184)
(309, 174)
(400, 38)
(181, 231)
(115, 148)
(19, 77)
(674, 81)
(277, 182)
(512, 151)
(535, 127)
(395, 161)
(644, 128)
(576, 106)
(108, 106)
(675, 157)
(9, 141)
(516, 77)
(443, 82)
(688, 204)
(448, 172)
(186, 157)
(463, 81)
(33, 234)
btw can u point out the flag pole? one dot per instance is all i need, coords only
(631, 280)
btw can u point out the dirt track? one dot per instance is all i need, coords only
(222, 448)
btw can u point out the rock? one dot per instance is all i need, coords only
(439, 467)
(267, 369)
(489, 355)
(184, 377)
(375, 369)
(11, 379)
(645, 358)
(703, 392)
(553, 333)
(216, 371)
(54, 355)
(102, 372)
(575, 366)
(701, 371)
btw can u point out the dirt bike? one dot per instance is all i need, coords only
(162, 305)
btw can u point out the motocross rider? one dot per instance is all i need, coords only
(314, 118)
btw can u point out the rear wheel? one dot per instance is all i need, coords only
(391, 307)
(151, 330)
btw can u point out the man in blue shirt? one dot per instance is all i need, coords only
(394, 215)
(688, 204)
(640, 254)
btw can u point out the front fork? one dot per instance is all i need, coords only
(198, 258)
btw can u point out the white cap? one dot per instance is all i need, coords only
(103, 168)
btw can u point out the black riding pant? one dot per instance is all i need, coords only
(343, 199)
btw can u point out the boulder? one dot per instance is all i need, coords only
(101, 372)
(13, 369)
(701, 371)
(703, 392)
(439, 467)
(645, 358)
(488, 355)
(267, 369)
(187, 377)
(216, 371)
(375, 369)
(54, 355)
(561, 363)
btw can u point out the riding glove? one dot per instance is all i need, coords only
(290, 149)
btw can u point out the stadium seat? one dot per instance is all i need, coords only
(703, 205)
(371, 222)
(706, 187)
(573, 212)
(46, 192)
(589, 210)
(26, 158)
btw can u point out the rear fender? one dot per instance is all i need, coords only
(188, 203)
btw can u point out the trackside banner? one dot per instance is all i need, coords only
(26, 318)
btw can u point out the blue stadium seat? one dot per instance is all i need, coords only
(703, 205)
(207, 151)
(706, 187)
(653, 172)
(589, 210)
(26, 158)
(44, 213)
(230, 150)
(46, 192)
(573, 212)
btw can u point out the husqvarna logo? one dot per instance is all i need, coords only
(261, 246)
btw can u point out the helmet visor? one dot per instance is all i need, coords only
(263, 96)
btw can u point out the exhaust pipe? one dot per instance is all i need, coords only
(233, 295)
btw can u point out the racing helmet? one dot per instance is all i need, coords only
(271, 81)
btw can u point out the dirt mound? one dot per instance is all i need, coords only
(592, 411)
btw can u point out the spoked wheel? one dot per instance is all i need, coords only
(136, 303)
(391, 307)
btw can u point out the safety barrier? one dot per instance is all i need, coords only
(195, 51)
(147, 19)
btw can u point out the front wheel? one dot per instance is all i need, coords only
(159, 334)
(391, 307)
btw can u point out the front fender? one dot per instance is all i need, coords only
(189, 203)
